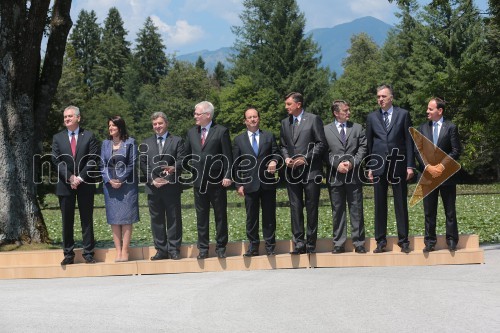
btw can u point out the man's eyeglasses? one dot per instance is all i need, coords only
(197, 114)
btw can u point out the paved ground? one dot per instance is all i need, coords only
(461, 298)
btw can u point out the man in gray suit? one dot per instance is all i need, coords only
(346, 149)
(302, 146)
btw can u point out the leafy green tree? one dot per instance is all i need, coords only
(273, 49)
(361, 76)
(150, 54)
(113, 55)
(99, 108)
(243, 94)
(184, 86)
(200, 63)
(85, 39)
(220, 75)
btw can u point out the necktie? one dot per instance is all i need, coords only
(255, 146)
(342, 133)
(203, 135)
(386, 119)
(160, 144)
(73, 144)
(435, 133)
(294, 127)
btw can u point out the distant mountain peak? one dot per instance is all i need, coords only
(334, 43)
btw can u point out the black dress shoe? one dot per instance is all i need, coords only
(379, 249)
(89, 259)
(202, 255)
(221, 252)
(405, 248)
(68, 261)
(251, 253)
(360, 249)
(452, 246)
(300, 250)
(338, 249)
(428, 248)
(310, 250)
(175, 256)
(159, 256)
(270, 253)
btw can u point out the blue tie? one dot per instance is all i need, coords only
(435, 133)
(255, 146)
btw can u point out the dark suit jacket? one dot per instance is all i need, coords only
(151, 162)
(381, 142)
(213, 161)
(448, 142)
(249, 170)
(122, 165)
(310, 142)
(83, 165)
(354, 151)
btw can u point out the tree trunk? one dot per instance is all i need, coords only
(26, 93)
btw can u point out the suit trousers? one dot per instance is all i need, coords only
(296, 193)
(353, 194)
(266, 199)
(85, 196)
(215, 195)
(166, 221)
(400, 192)
(448, 196)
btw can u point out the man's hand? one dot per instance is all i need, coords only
(409, 173)
(74, 182)
(241, 191)
(370, 176)
(271, 167)
(295, 162)
(226, 182)
(168, 170)
(344, 167)
(434, 170)
(159, 182)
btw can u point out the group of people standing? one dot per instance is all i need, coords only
(384, 152)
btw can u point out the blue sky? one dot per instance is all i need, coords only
(193, 25)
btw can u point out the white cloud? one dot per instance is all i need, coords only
(181, 33)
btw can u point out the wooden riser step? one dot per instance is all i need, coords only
(45, 264)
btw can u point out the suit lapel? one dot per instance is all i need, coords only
(211, 132)
(168, 142)
(349, 129)
(395, 116)
(335, 131)
(80, 141)
(299, 127)
(442, 132)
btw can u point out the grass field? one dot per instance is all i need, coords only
(478, 212)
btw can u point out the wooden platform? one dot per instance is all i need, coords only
(46, 264)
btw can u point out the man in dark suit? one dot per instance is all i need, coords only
(209, 157)
(346, 149)
(161, 158)
(75, 152)
(444, 135)
(302, 146)
(391, 161)
(256, 155)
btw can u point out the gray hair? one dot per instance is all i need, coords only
(386, 86)
(159, 114)
(74, 108)
(207, 107)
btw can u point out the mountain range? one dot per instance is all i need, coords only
(333, 42)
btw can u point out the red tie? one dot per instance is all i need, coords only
(73, 144)
(203, 135)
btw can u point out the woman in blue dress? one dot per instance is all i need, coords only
(118, 160)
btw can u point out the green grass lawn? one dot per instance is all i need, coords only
(478, 212)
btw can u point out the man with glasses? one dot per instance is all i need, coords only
(209, 157)
(346, 149)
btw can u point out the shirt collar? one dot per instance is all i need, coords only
(440, 121)
(250, 133)
(207, 127)
(75, 131)
(299, 117)
(164, 136)
(389, 112)
(337, 124)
